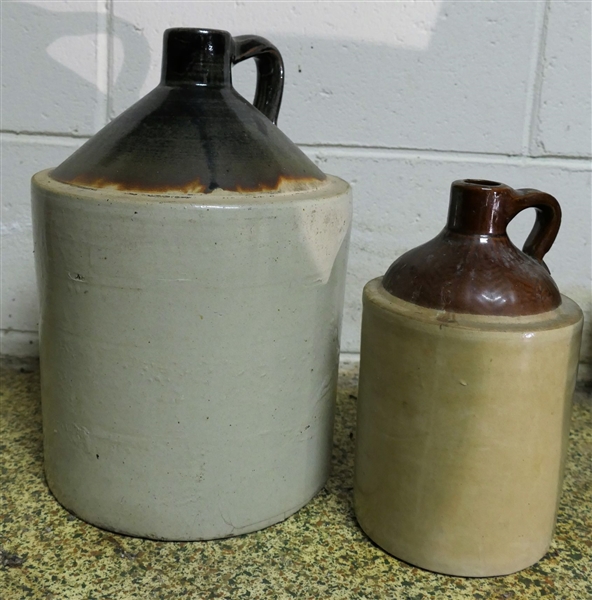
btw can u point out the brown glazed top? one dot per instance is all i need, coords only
(194, 132)
(472, 266)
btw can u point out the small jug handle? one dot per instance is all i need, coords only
(546, 226)
(270, 72)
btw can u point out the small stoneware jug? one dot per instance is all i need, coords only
(468, 365)
(191, 266)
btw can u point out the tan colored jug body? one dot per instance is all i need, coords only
(463, 417)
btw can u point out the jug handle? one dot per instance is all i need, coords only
(270, 72)
(546, 226)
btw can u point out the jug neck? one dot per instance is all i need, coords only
(197, 57)
(478, 207)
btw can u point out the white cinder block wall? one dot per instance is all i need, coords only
(399, 98)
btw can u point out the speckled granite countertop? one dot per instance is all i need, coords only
(320, 552)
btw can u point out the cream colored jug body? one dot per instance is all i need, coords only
(463, 422)
(189, 352)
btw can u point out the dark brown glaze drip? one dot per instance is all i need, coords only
(472, 266)
(194, 132)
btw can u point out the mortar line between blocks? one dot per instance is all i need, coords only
(101, 62)
(110, 54)
(574, 163)
(57, 139)
(535, 83)
(577, 163)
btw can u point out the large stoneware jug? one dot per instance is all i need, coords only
(468, 364)
(191, 265)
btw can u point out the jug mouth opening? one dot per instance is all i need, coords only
(483, 182)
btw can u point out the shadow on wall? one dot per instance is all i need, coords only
(338, 91)
(41, 95)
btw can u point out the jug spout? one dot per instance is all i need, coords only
(477, 207)
(196, 57)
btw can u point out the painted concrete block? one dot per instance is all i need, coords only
(21, 159)
(50, 56)
(563, 125)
